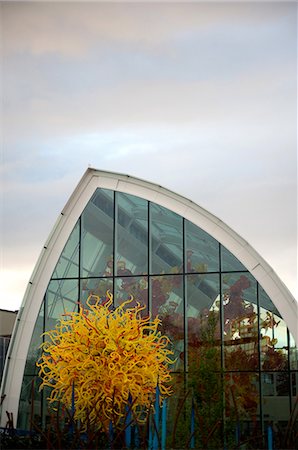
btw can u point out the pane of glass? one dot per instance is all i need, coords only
(166, 240)
(274, 340)
(206, 389)
(242, 410)
(293, 354)
(202, 250)
(68, 263)
(135, 286)
(229, 262)
(61, 297)
(167, 302)
(241, 349)
(276, 404)
(30, 404)
(4, 343)
(294, 387)
(34, 351)
(203, 322)
(97, 287)
(97, 235)
(132, 235)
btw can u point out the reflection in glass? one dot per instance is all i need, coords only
(294, 388)
(242, 408)
(96, 287)
(202, 250)
(167, 302)
(229, 262)
(293, 354)
(203, 320)
(276, 404)
(166, 240)
(97, 235)
(132, 235)
(137, 287)
(30, 404)
(34, 351)
(240, 322)
(68, 263)
(61, 298)
(273, 335)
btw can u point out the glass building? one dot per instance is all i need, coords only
(231, 321)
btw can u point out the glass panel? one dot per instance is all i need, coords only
(293, 354)
(97, 287)
(203, 321)
(61, 297)
(202, 250)
(166, 240)
(242, 410)
(135, 286)
(132, 235)
(294, 388)
(204, 357)
(167, 302)
(97, 235)
(240, 320)
(276, 405)
(4, 343)
(68, 264)
(229, 262)
(273, 330)
(207, 392)
(30, 404)
(34, 351)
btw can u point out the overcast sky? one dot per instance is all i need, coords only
(198, 97)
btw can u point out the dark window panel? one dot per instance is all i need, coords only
(131, 235)
(61, 297)
(229, 262)
(166, 240)
(68, 263)
(97, 288)
(97, 235)
(202, 250)
(167, 301)
(273, 335)
(240, 322)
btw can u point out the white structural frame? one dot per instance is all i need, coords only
(37, 286)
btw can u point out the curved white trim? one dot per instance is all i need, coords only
(48, 259)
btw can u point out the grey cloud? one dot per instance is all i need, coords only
(71, 29)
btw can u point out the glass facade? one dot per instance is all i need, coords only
(233, 350)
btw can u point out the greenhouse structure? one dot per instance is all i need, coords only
(231, 321)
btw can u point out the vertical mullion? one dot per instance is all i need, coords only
(115, 220)
(289, 371)
(80, 261)
(42, 401)
(259, 360)
(221, 316)
(149, 257)
(184, 293)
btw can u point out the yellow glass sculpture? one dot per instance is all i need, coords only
(98, 358)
